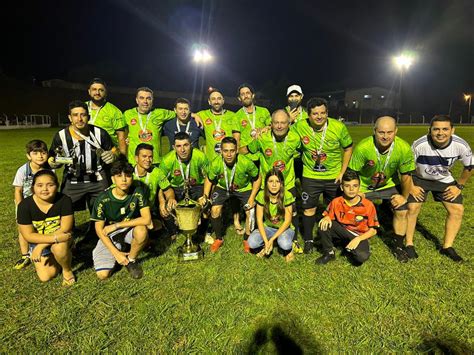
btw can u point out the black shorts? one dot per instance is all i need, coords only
(194, 192)
(220, 196)
(312, 188)
(386, 195)
(437, 189)
(82, 193)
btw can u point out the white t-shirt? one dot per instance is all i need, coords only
(24, 178)
(434, 163)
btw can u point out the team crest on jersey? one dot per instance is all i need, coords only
(305, 140)
(279, 165)
(208, 121)
(268, 152)
(133, 122)
(359, 218)
(244, 123)
(177, 173)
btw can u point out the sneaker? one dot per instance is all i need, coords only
(216, 245)
(308, 247)
(324, 259)
(451, 253)
(135, 270)
(411, 252)
(23, 262)
(297, 249)
(246, 246)
(208, 239)
(400, 254)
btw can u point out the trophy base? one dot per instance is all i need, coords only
(190, 253)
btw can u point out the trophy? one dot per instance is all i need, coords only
(187, 215)
(61, 157)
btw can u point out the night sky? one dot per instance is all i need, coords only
(322, 45)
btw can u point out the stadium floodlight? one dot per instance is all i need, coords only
(202, 55)
(403, 61)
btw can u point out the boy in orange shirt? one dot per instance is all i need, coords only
(350, 218)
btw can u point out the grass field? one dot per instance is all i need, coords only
(235, 303)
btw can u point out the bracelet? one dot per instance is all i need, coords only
(56, 241)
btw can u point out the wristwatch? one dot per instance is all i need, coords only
(459, 186)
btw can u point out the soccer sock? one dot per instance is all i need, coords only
(295, 222)
(170, 225)
(203, 227)
(246, 236)
(217, 226)
(308, 224)
(398, 239)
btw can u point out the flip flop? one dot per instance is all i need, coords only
(239, 230)
(69, 282)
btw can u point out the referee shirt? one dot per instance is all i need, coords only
(86, 162)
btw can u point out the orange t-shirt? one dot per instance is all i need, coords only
(357, 218)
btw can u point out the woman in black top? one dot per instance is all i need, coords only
(45, 219)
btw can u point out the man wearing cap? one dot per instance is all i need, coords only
(294, 94)
(327, 148)
(218, 123)
(385, 163)
(251, 118)
(105, 115)
(183, 122)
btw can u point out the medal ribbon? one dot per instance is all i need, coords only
(232, 174)
(252, 122)
(185, 176)
(143, 128)
(187, 126)
(92, 119)
(217, 126)
(275, 148)
(323, 138)
(92, 140)
(379, 160)
(147, 179)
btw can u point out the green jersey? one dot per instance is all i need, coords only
(108, 117)
(302, 115)
(195, 169)
(248, 123)
(238, 177)
(322, 150)
(275, 220)
(380, 171)
(216, 127)
(146, 128)
(278, 154)
(110, 209)
(153, 180)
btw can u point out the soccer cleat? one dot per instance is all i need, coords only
(297, 249)
(208, 239)
(308, 247)
(324, 259)
(135, 270)
(400, 254)
(411, 252)
(451, 253)
(216, 245)
(246, 246)
(23, 262)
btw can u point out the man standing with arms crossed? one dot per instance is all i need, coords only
(435, 155)
(379, 159)
(327, 148)
(105, 115)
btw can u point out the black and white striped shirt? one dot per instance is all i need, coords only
(86, 163)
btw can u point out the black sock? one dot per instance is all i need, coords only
(246, 236)
(295, 222)
(217, 226)
(170, 225)
(202, 228)
(308, 224)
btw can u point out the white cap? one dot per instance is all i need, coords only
(292, 88)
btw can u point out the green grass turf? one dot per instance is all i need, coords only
(234, 303)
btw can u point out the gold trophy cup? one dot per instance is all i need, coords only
(188, 213)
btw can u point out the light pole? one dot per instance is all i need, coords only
(468, 98)
(403, 62)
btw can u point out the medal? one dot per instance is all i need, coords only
(217, 148)
(229, 183)
(253, 133)
(218, 134)
(279, 165)
(378, 180)
(145, 135)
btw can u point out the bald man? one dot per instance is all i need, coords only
(385, 163)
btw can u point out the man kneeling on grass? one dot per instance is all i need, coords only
(348, 218)
(121, 215)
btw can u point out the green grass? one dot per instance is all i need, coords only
(234, 303)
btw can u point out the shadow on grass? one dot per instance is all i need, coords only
(428, 235)
(282, 336)
(443, 346)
